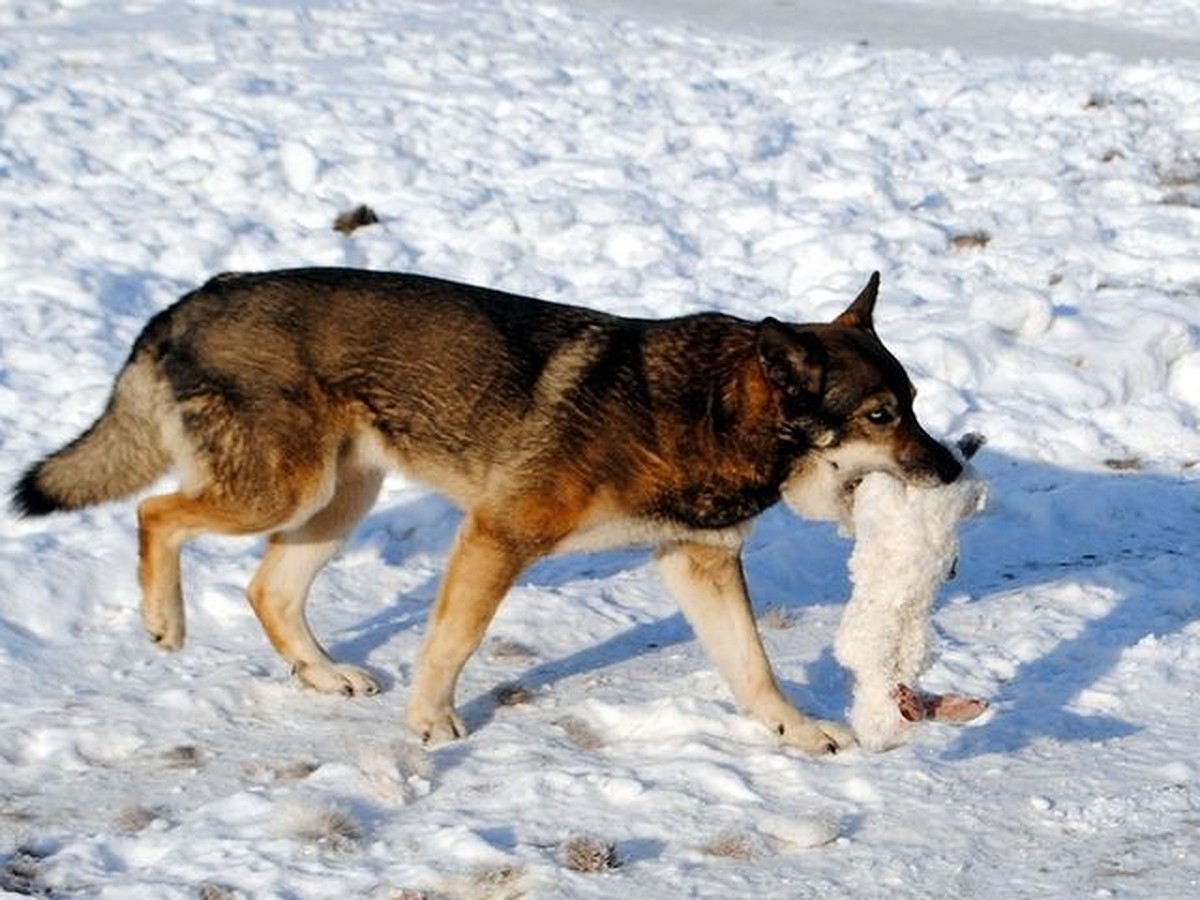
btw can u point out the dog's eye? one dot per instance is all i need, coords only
(881, 416)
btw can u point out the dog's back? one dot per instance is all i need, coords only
(264, 371)
(464, 385)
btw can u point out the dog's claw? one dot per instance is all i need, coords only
(819, 738)
(165, 640)
(437, 729)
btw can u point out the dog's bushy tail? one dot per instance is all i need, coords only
(120, 454)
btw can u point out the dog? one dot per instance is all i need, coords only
(280, 399)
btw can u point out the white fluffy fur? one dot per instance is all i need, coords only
(906, 542)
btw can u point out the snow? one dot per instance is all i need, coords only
(1034, 208)
(1128, 29)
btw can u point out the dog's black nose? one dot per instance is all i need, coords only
(949, 470)
(945, 463)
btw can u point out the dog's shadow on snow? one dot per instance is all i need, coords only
(1124, 535)
(1128, 532)
(1121, 535)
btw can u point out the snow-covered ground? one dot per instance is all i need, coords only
(1128, 29)
(1036, 218)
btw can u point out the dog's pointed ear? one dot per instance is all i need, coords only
(861, 313)
(792, 361)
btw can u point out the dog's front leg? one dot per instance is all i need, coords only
(710, 587)
(482, 567)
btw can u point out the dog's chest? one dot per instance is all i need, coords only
(639, 531)
(713, 505)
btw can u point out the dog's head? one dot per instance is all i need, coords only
(851, 403)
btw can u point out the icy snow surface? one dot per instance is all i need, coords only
(1037, 222)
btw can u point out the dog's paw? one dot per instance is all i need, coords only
(165, 632)
(815, 736)
(169, 639)
(436, 727)
(336, 678)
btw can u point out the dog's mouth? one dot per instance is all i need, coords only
(844, 503)
(849, 486)
(936, 463)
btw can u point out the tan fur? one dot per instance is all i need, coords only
(119, 452)
(281, 399)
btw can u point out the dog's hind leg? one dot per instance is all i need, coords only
(165, 522)
(482, 567)
(709, 586)
(279, 590)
